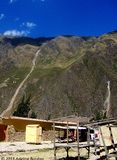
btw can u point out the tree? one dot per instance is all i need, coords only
(23, 107)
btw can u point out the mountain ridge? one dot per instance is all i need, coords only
(70, 75)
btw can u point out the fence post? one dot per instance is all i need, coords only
(112, 140)
(54, 141)
(78, 141)
(88, 140)
(105, 148)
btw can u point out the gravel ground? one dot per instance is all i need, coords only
(44, 151)
(22, 146)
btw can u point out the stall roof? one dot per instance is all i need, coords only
(70, 127)
(20, 122)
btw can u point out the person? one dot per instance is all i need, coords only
(71, 134)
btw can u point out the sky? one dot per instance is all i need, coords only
(48, 18)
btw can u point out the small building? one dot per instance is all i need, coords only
(72, 133)
(17, 125)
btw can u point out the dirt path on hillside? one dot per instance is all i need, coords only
(10, 106)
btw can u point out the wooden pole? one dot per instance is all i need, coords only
(67, 140)
(105, 148)
(78, 141)
(59, 135)
(88, 141)
(67, 134)
(112, 140)
(94, 141)
(54, 141)
(96, 144)
(67, 150)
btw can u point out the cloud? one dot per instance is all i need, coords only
(1, 16)
(29, 25)
(17, 19)
(15, 33)
(11, 1)
(37, 0)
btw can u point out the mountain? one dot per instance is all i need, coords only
(70, 75)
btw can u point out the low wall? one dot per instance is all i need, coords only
(3, 129)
